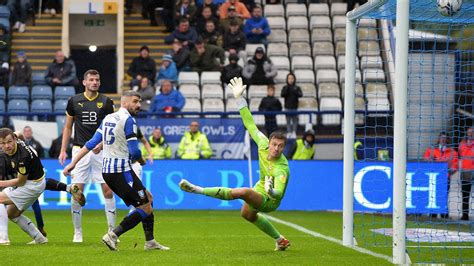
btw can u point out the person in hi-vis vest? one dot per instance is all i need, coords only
(304, 147)
(194, 144)
(159, 147)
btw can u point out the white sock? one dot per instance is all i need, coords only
(27, 226)
(68, 188)
(76, 211)
(198, 190)
(110, 212)
(3, 223)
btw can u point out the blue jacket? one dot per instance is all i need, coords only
(170, 73)
(190, 36)
(255, 23)
(174, 99)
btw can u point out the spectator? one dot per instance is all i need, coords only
(240, 8)
(147, 93)
(181, 56)
(466, 153)
(304, 147)
(204, 57)
(159, 147)
(359, 151)
(55, 148)
(231, 70)
(61, 72)
(52, 6)
(260, 69)
(19, 13)
(211, 35)
(250, 4)
(270, 104)
(148, 10)
(206, 15)
(4, 73)
(142, 66)
(212, 5)
(169, 100)
(184, 9)
(257, 28)
(5, 44)
(30, 141)
(185, 34)
(168, 70)
(231, 16)
(273, 2)
(234, 40)
(194, 144)
(167, 15)
(21, 71)
(291, 93)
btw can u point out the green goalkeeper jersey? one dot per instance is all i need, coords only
(278, 169)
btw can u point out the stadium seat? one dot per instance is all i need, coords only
(359, 90)
(2, 110)
(3, 93)
(295, 10)
(298, 35)
(18, 106)
(60, 106)
(328, 90)
(330, 104)
(367, 23)
(304, 76)
(340, 48)
(371, 62)
(192, 105)
(250, 49)
(281, 119)
(281, 62)
(368, 48)
(316, 22)
(298, 22)
(210, 77)
(300, 48)
(338, 9)
(339, 22)
(273, 11)
(4, 12)
(367, 34)
(323, 48)
(277, 23)
(41, 106)
(41, 92)
(232, 106)
(229, 94)
(277, 36)
(301, 62)
(212, 105)
(211, 91)
(64, 92)
(319, 9)
(308, 89)
(257, 91)
(359, 119)
(339, 34)
(307, 104)
(342, 76)
(326, 76)
(321, 35)
(341, 62)
(18, 92)
(253, 106)
(278, 88)
(324, 62)
(190, 91)
(376, 90)
(37, 78)
(281, 76)
(188, 78)
(277, 49)
(373, 75)
(377, 104)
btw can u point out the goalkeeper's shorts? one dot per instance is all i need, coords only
(268, 204)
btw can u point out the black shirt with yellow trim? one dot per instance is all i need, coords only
(25, 161)
(88, 114)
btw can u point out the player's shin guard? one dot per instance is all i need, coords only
(3, 224)
(27, 226)
(223, 193)
(130, 221)
(38, 215)
(264, 224)
(76, 211)
(148, 226)
(55, 185)
(110, 212)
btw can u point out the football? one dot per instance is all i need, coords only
(449, 7)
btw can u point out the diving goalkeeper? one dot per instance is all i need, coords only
(268, 192)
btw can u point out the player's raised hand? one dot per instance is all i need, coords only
(237, 86)
(268, 184)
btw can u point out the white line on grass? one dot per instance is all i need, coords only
(328, 238)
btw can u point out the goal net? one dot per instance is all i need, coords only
(408, 110)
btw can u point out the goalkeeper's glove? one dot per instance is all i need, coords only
(237, 86)
(269, 185)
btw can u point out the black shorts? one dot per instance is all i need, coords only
(128, 187)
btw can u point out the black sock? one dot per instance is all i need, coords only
(148, 225)
(128, 223)
(55, 185)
